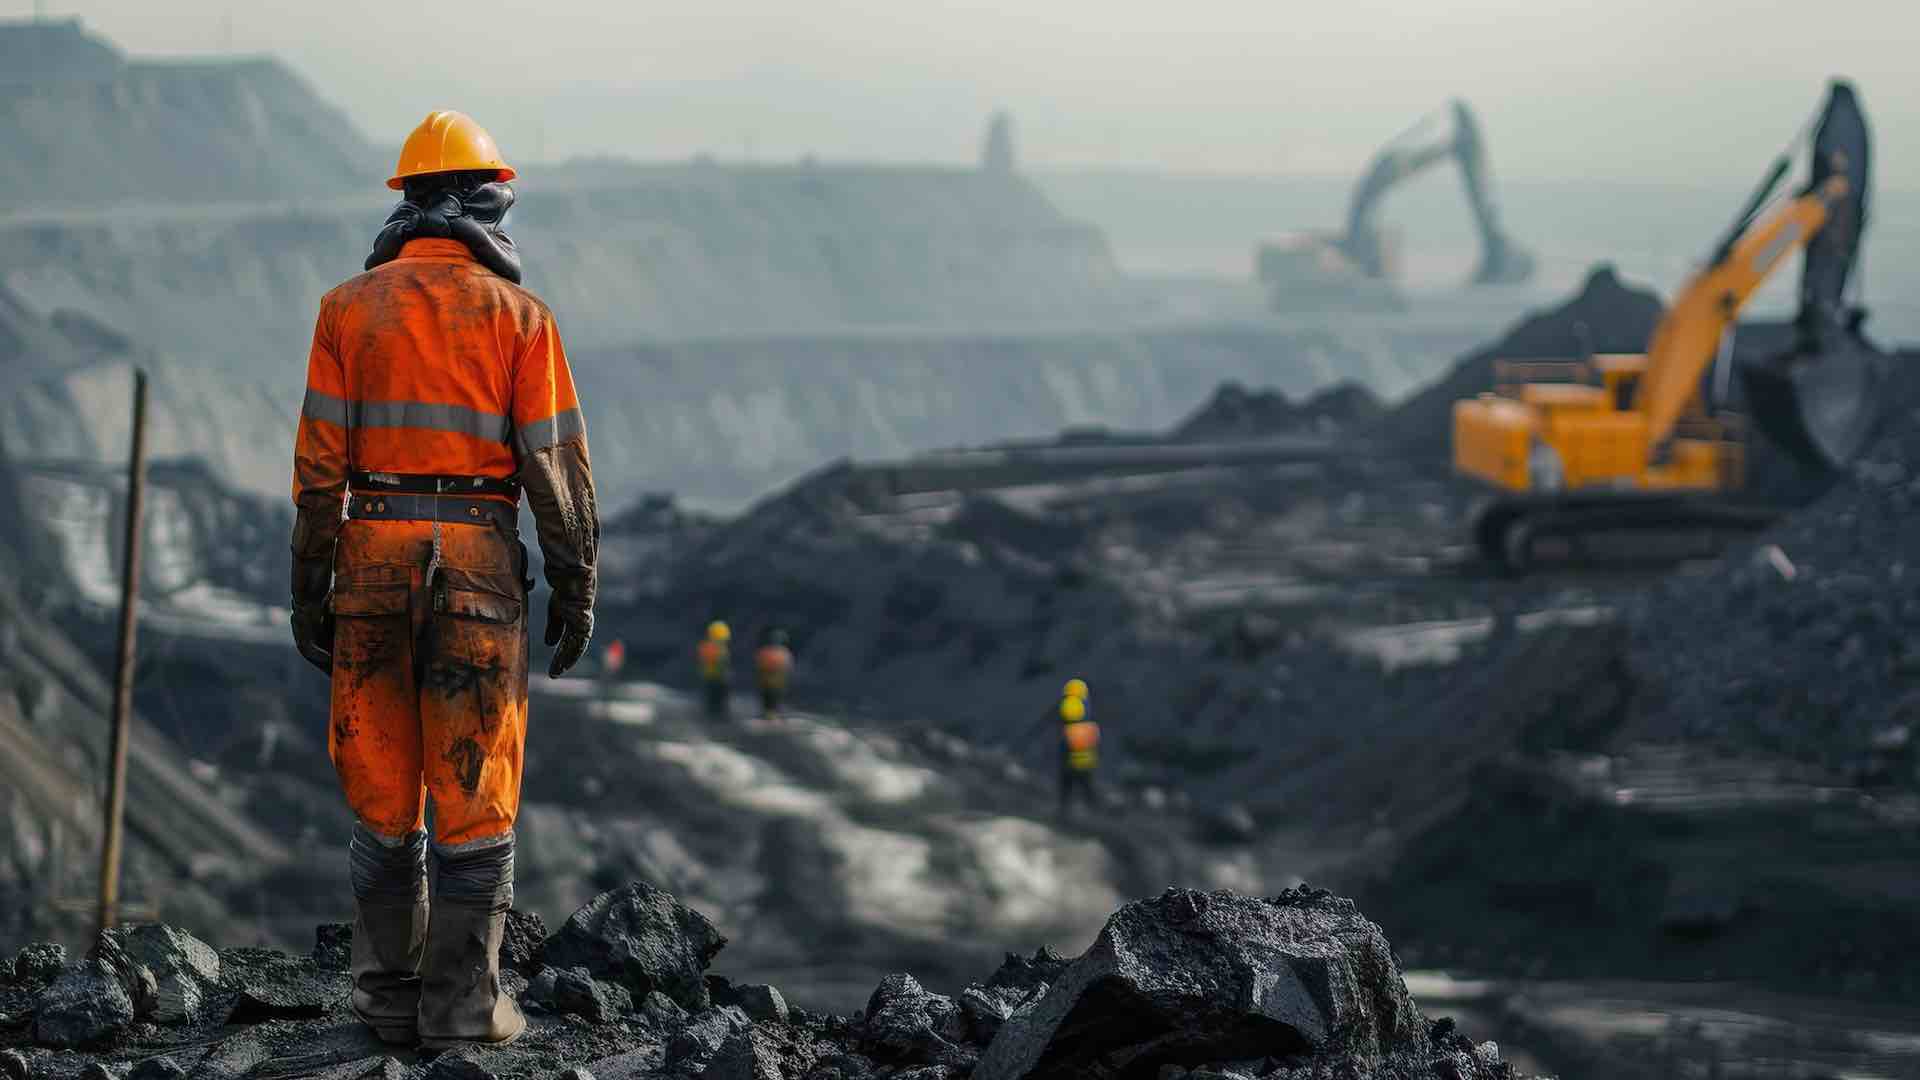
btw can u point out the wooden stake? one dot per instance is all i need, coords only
(122, 718)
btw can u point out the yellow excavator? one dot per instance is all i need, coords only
(1633, 445)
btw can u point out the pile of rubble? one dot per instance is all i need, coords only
(1189, 985)
(1804, 644)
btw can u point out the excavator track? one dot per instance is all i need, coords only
(1521, 534)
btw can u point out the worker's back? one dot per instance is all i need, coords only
(772, 663)
(435, 364)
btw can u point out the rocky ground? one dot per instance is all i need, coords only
(1187, 986)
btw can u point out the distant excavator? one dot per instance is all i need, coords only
(1312, 268)
(1637, 445)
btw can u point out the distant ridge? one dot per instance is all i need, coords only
(85, 125)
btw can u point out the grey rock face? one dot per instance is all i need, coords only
(1192, 979)
(746, 1055)
(701, 1039)
(644, 938)
(185, 969)
(663, 1010)
(86, 1004)
(906, 1024)
(575, 991)
(762, 1002)
(283, 989)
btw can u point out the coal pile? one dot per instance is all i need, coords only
(1804, 643)
(1189, 985)
(1235, 413)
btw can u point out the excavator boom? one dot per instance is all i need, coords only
(1688, 337)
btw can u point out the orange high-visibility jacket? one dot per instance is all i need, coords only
(406, 375)
(773, 663)
(1081, 740)
(713, 660)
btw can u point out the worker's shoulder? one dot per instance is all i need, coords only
(514, 295)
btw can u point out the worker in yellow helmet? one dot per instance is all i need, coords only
(715, 657)
(1079, 746)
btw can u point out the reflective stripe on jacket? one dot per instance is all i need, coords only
(430, 364)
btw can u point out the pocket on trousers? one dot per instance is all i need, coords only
(479, 627)
(370, 621)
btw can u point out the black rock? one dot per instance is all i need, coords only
(841, 1066)
(762, 1002)
(523, 947)
(1192, 979)
(646, 939)
(85, 1005)
(40, 962)
(98, 1070)
(283, 989)
(6, 970)
(907, 1025)
(663, 1010)
(13, 1066)
(185, 969)
(702, 1038)
(748, 1055)
(464, 1064)
(134, 977)
(988, 1007)
(333, 946)
(158, 1068)
(576, 992)
(579, 1072)
(1019, 973)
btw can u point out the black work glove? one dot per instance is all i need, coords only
(312, 622)
(569, 620)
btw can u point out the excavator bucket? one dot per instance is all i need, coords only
(1821, 408)
(1819, 402)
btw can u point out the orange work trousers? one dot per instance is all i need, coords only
(429, 677)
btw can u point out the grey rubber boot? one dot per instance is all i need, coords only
(387, 944)
(460, 998)
(389, 932)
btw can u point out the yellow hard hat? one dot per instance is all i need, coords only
(719, 631)
(448, 141)
(1073, 710)
(1075, 688)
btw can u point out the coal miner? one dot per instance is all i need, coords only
(437, 391)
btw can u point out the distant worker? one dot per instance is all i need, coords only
(772, 666)
(1079, 746)
(715, 656)
(612, 659)
(437, 390)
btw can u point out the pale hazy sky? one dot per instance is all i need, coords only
(1655, 90)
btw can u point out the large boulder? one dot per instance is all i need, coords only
(85, 1005)
(1191, 979)
(644, 938)
(185, 969)
(908, 1025)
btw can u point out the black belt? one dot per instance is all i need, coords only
(421, 484)
(381, 506)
